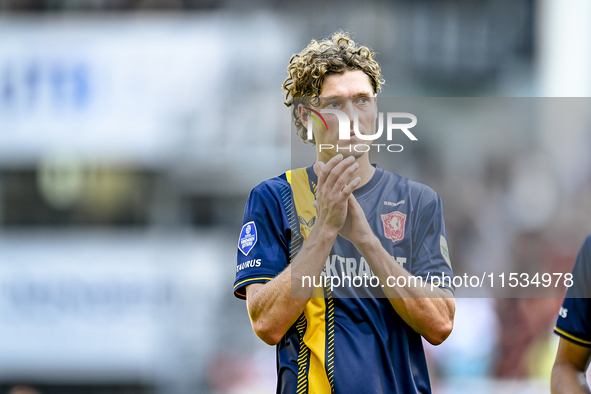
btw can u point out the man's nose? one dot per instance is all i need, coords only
(350, 110)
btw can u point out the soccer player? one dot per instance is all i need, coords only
(574, 328)
(344, 217)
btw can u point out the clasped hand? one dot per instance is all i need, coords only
(338, 210)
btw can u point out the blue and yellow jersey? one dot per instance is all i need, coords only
(574, 318)
(351, 340)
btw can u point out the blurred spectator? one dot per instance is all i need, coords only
(22, 390)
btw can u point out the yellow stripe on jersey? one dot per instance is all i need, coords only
(315, 312)
(251, 279)
(570, 336)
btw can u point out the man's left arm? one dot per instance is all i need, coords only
(427, 310)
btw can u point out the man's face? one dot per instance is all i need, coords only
(350, 92)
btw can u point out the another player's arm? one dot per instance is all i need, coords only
(568, 373)
(430, 312)
(273, 307)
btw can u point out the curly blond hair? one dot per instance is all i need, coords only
(333, 55)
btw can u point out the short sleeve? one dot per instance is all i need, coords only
(430, 257)
(574, 317)
(263, 243)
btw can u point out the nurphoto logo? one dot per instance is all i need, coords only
(345, 133)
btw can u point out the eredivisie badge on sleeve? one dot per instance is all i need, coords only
(394, 223)
(248, 238)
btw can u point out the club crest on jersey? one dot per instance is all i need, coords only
(394, 223)
(248, 238)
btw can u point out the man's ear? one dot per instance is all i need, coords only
(303, 114)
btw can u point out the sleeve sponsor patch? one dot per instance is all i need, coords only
(248, 238)
(444, 250)
(248, 264)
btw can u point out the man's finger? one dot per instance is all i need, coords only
(325, 169)
(347, 190)
(337, 171)
(341, 181)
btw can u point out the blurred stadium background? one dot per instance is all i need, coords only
(131, 132)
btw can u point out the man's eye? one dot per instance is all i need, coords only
(334, 104)
(362, 100)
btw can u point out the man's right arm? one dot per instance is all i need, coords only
(274, 306)
(271, 306)
(568, 373)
